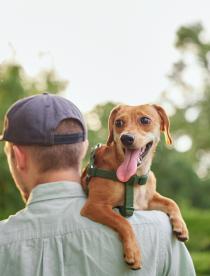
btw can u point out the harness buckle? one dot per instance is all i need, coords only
(126, 211)
(87, 179)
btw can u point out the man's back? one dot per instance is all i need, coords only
(50, 238)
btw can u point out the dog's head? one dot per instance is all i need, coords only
(136, 132)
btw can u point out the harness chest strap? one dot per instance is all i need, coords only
(127, 209)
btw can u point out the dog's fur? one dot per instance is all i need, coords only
(105, 194)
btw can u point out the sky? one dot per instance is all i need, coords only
(113, 50)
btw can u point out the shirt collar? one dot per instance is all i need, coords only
(53, 190)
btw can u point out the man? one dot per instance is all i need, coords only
(46, 140)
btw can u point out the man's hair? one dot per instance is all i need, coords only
(62, 156)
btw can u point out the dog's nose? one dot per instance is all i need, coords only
(127, 139)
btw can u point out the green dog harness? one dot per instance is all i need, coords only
(92, 171)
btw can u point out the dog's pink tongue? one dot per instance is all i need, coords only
(129, 166)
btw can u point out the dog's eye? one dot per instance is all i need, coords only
(145, 120)
(119, 123)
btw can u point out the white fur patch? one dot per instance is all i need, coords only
(140, 197)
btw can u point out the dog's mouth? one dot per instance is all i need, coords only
(133, 159)
(143, 152)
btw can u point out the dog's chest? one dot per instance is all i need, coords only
(141, 197)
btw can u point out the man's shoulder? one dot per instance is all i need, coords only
(27, 225)
(12, 224)
(139, 218)
(152, 224)
(34, 223)
(155, 218)
(11, 220)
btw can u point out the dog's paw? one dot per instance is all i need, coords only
(179, 228)
(132, 257)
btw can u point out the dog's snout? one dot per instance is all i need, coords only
(127, 139)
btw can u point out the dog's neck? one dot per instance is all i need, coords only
(144, 168)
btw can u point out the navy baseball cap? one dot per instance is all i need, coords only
(33, 120)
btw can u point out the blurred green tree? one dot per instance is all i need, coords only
(15, 84)
(190, 80)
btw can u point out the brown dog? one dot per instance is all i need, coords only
(134, 132)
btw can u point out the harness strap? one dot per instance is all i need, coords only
(127, 209)
(97, 172)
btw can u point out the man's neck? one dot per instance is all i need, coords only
(60, 175)
(50, 176)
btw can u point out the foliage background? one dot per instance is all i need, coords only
(183, 176)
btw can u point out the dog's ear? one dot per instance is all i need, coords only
(165, 123)
(112, 116)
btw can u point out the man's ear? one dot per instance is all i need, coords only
(20, 157)
(85, 147)
(165, 123)
(112, 116)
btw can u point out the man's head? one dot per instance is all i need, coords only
(46, 139)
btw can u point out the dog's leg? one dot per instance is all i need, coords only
(168, 206)
(105, 215)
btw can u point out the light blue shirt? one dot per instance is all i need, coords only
(50, 238)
